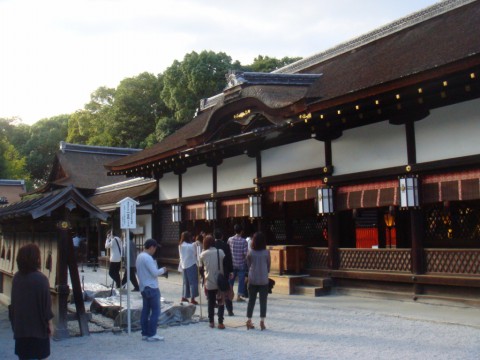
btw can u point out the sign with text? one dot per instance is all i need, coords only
(128, 213)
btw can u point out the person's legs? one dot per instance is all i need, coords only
(212, 298)
(252, 298)
(232, 280)
(241, 283)
(220, 313)
(114, 272)
(133, 278)
(192, 275)
(145, 313)
(229, 306)
(263, 293)
(155, 306)
(186, 285)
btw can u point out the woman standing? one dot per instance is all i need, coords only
(211, 261)
(258, 262)
(188, 264)
(31, 312)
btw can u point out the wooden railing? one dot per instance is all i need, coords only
(453, 261)
(317, 258)
(362, 259)
(437, 261)
(375, 259)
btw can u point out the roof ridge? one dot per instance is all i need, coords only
(123, 185)
(95, 149)
(11, 182)
(378, 33)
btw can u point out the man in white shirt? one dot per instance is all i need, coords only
(115, 245)
(148, 273)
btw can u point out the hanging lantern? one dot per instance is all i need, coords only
(409, 191)
(255, 205)
(210, 210)
(176, 213)
(325, 200)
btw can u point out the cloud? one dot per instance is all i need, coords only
(56, 53)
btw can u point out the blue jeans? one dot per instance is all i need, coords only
(241, 281)
(150, 311)
(190, 282)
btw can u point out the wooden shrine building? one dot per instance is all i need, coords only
(46, 219)
(363, 158)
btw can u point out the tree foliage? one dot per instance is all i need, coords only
(268, 64)
(198, 76)
(141, 111)
(12, 137)
(40, 149)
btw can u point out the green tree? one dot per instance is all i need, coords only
(137, 106)
(13, 134)
(268, 64)
(198, 76)
(45, 137)
(88, 126)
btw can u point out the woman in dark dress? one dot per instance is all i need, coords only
(31, 312)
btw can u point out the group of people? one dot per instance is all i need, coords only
(209, 255)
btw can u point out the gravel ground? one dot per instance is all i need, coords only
(298, 327)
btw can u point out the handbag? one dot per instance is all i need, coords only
(222, 281)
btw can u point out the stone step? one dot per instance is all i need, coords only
(317, 281)
(310, 290)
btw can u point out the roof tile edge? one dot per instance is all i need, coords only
(105, 150)
(388, 29)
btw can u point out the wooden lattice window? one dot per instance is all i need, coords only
(453, 223)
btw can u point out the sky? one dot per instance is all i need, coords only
(55, 53)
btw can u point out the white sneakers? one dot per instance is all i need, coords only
(155, 338)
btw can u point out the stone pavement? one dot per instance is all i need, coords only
(171, 289)
(328, 327)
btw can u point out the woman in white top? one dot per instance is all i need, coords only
(188, 264)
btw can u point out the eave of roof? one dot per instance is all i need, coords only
(42, 205)
(367, 62)
(108, 199)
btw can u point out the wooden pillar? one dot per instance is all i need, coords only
(382, 230)
(62, 289)
(333, 242)
(416, 233)
(77, 289)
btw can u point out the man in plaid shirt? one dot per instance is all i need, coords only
(239, 248)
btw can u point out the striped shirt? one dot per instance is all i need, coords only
(239, 248)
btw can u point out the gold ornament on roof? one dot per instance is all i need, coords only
(242, 114)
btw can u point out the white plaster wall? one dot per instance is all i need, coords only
(236, 173)
(302, 155)
(449, 132)
(370, 147)
(198, 180)
(168, 186)
(146, 222)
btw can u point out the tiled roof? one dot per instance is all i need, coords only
(436, 36)
(43, 204)
(83, 165)
(112, 194)
(431, 44)
(10, 190)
